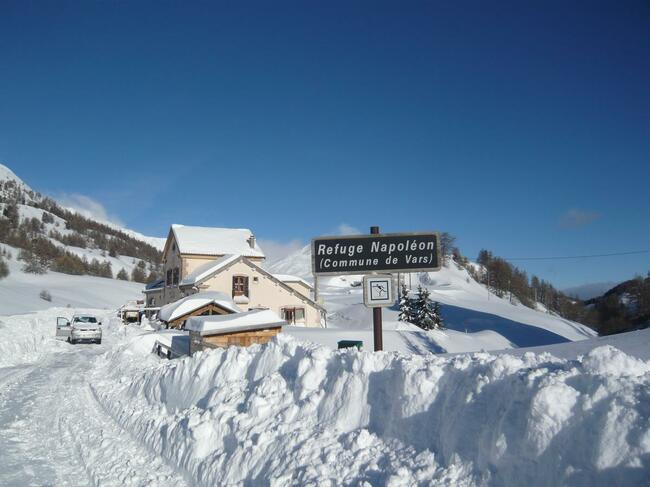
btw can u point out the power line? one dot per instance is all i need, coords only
(566, 257)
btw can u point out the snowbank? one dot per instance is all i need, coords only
(24, 339)
(300, 414)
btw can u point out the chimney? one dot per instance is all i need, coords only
(251, 241)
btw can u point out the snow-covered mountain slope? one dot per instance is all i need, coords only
(155, 242)
(295, 264)
(7, 174)
(454, 287)
(126, 262)
(27, 211)
(20, 292)
(467, 307)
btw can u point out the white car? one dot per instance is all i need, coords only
(82, 328)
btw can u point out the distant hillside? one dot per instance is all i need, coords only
(48, 237)
(623, 308)
(589, 291)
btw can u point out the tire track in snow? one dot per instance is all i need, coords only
(55, 433)
(30, 454)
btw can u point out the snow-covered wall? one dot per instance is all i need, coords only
(294, 413)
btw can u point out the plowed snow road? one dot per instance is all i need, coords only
(54, 432)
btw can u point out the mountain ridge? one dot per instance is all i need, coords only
(46, 235)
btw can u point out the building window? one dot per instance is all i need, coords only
(293, 315)
(239, 286)
(176, 276)
(169, 277)
(152, 301)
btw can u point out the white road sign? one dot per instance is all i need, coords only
(378, 291)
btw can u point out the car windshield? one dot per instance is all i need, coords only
(86, 319)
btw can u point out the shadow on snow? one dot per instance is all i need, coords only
(521, 335)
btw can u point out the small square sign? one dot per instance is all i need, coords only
(378, 291)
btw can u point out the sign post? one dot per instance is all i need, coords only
(372, 254)
(377, 334)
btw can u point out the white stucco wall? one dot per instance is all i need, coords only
(263, 292)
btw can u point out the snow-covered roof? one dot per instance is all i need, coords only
(189, 304)
(250, 320)
(290, 278)
(215, 241)
(208, 269)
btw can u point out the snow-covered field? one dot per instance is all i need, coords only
(20, 292)
(296, 413)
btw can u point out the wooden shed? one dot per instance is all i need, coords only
(239, 329)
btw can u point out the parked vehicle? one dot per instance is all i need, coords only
(82, 328)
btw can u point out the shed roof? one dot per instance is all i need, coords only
(215, 241)
(189, 304)
(250, 320)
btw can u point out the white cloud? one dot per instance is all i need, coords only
(88, 207)
(575, 218)
(276, 251)
(345, 229)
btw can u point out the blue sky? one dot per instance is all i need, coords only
(521, 127)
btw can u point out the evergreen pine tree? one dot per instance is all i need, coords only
(138, 273)
(106, 270)
(4, 269)
(405, 305)
(122, 275)
(437, 316)
(425, 316)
